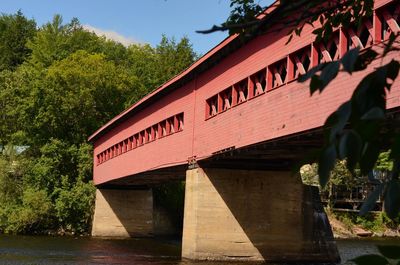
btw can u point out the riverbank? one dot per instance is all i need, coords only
(351, 225)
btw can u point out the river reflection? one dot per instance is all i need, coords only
(69, 250)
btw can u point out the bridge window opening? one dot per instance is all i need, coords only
(258, 81)
(142, 137)
(139, 139)
(155, 132)
(242, 91)
(385, 31)
(98, 159)
(117, 150)
(176, 123)
(302, 62)
(126, 144)
(212, 106)
(225, 99)
(129, 143)
(170, 126)
(145, 137)
(279, 73)
(148, 135)
(180, 122)
(163, 126)
(122, 147)
(390, 18)
(135, 141)
(111, 152)
(361, 36)
(329, 51)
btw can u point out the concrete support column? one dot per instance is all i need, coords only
(254, 215)
(123, 213)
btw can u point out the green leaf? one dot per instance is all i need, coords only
(350, 146)
(392, 198)
(391, 252)
(369, 157)
(375, 113)
(329, 73)
(349, 59)
(371, 259)
(326, 163)
(369, 203)
(338, 120)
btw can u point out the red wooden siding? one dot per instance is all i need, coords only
(248, 97)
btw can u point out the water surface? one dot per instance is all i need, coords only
(85, 250)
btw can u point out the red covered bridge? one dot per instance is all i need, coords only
(233, 124)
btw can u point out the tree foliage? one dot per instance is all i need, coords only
(15, 31)
(59, 84)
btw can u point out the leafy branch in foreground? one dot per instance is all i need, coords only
(360, 128)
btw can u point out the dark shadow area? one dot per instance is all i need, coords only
(168, 203)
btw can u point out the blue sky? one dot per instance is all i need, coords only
(134, 20)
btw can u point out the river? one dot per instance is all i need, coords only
(85, 250)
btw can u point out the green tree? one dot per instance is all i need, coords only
(154, 66)
(71, 83)
(173, 57)
(77, 95)
(15, 31)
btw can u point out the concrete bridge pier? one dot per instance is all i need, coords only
(123, 213)
(254, 215)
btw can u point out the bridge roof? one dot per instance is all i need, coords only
(227, 46)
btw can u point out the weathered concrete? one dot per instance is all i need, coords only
(123, 213)
(254, 215)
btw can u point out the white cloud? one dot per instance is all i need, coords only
(112, 35)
